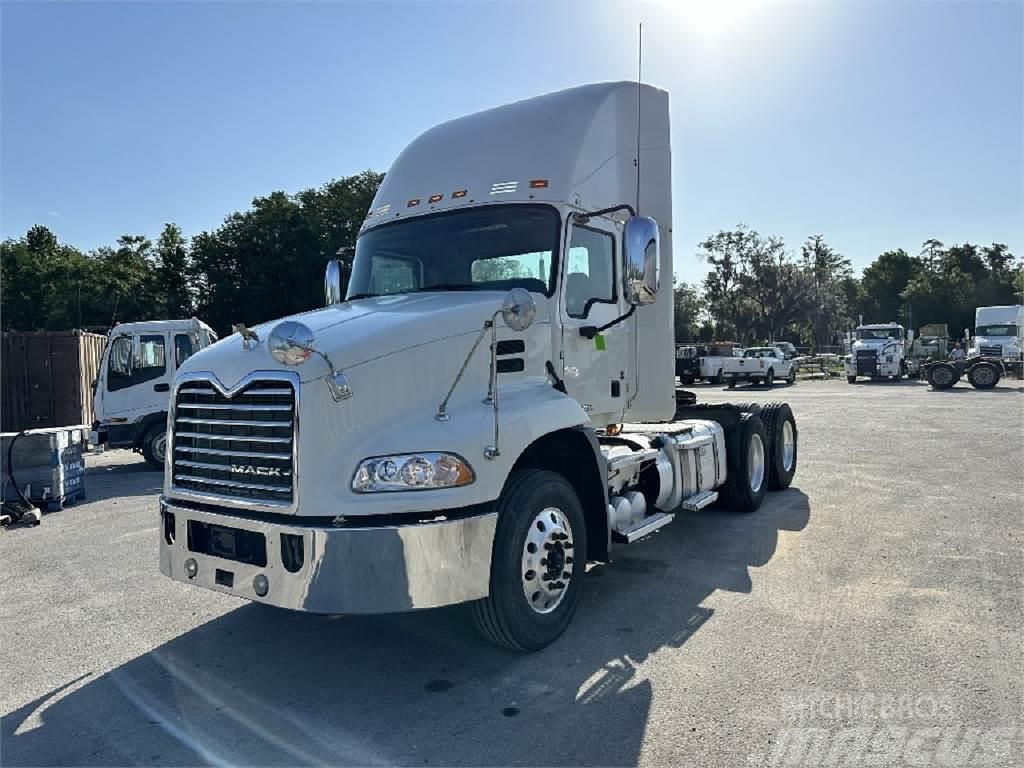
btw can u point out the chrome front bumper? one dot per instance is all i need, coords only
(344, 570)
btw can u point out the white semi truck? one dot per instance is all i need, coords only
(880, 351)
(132, 387)
(490, 408)
(999, 334)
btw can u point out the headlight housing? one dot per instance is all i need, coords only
(412, 472)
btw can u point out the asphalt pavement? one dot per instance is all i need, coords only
(876, 605)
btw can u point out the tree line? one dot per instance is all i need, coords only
(757, 290)
(268, 261)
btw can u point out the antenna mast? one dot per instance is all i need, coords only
(639, 74)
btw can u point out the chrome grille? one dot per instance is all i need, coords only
(991, 351)
(239, 446)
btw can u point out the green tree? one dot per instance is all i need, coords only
(883, 283)
(174, 272)
(689, 312)
(826, 272)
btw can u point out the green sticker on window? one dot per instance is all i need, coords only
(599, 342)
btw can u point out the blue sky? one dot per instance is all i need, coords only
(876, 124)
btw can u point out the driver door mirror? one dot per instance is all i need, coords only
(642, 260)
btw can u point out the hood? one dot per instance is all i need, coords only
(352, 333)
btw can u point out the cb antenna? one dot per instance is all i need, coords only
(639, 74)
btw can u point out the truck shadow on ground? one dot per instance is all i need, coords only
(264, 686)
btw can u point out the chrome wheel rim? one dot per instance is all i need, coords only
(548, 560)
(788, 445)
(942, 376)
(755, 463)
(983, 375)
(160, 447)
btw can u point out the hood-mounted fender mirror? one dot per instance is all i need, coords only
(518, 309)
(642, 260)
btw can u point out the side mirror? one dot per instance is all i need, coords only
(518, 309)
(641, 256)
(332, 283)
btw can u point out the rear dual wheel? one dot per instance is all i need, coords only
(745, 483)
(983, 376)
(780, 426)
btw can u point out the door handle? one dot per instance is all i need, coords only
(162, 387)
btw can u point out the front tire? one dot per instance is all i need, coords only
(851, 379)
(154, 446)
(745, 483)
(983, 376)
(791, 379)
(769, 378)
(535, 575)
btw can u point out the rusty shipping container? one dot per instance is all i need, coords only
(46, 378)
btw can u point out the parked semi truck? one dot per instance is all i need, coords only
(132, 387)
(492, 405)
(999, 334)
(880, 351)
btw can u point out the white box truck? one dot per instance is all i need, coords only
(132, 387)
(490, 408)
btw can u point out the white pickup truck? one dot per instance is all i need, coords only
(759, 365)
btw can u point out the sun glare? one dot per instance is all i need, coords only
(712, 19)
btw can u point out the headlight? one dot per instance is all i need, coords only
(412, 472)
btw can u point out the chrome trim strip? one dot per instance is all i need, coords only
(222, 407)
(258, 392)
(221, 452)
(237, 437)
(229, 483)
(236, 422)
(208, 377)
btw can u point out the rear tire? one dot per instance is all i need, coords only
(746, 483)
(732, 384)
(791, 379)
(942, 376)
(780, 427)
(749, 407)
(154, 446)
(769, 378)
(718, 378)
(535, 510)
(851, 379)
(983, 376)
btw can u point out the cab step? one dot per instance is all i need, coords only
(701, 500)
(645, 527)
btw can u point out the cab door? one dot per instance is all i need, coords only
(136, 377)
(596, 371)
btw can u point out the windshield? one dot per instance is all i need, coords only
(996, 330)
(877, 334)
(482, 249)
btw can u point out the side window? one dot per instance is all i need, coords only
(149, 355)
(183, 348)
(590, 271)
(118, 370)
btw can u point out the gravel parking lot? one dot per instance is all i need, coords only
(881, 592)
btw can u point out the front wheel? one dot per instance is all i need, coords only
(769, 378)
(535, 575)
(851, 379)
(154, 446)
(718, 378)
(791, 379)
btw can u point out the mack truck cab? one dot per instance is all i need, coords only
(879, 351)
(488, 407)
(132, 388)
